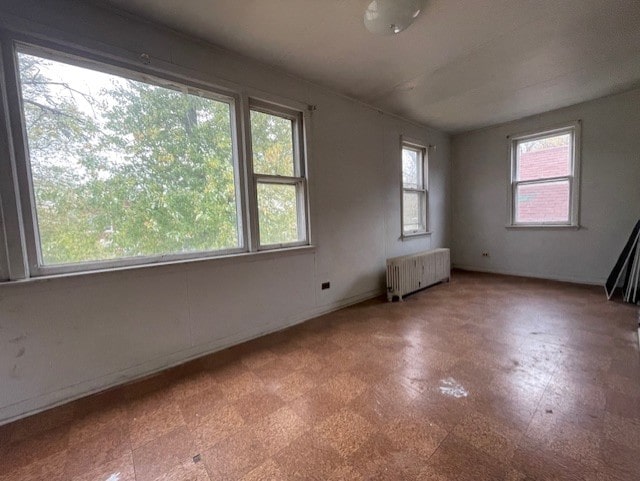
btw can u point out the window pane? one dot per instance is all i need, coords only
(544, 202)
(123, 168)
(412, 213)
(272, 143)
(545, 157)
(277, 213)
(411, 169)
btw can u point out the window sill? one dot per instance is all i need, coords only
(405, 237)
(142, 268)
(542, 226)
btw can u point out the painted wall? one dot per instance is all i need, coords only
(610, 196)
(62, 338)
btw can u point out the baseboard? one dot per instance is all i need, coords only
(67, 394)
(573, 280)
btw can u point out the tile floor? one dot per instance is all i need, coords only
(488, 377)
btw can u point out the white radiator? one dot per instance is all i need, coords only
(408, 274)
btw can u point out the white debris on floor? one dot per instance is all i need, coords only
(451, 387)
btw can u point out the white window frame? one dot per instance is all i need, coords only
(299, 179)
(574, 130)
(422, 190)
(19, 246)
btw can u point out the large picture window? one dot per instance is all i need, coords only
(119, 167)
(544, 178)
(125, 168)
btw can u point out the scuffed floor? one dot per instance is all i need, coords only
(486, 378)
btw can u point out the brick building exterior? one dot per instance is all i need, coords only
(547, 202)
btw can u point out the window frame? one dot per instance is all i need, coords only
(423, 190)
(574, 130)
(20, 258)
(299, 179)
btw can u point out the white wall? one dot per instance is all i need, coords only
(62, 338)
(610, 196)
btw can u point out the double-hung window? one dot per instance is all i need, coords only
(117, 166)
(415, 194)
(545, 171)
(279, 176)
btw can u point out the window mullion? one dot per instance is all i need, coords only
(13, 172)
(412, 189)
(543, 180)
(252, 193)
(277, 179)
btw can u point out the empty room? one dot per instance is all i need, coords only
(329, 240)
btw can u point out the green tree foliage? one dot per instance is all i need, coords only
(134, 169)
(57, 127)
(173, 188)
(272, 145)
(152, 173)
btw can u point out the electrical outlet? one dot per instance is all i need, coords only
(485, 254)
(326, 285)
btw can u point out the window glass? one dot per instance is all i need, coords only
(414, 192)
(278, 213)
(280, 200)
(544, 157)
(411, 168)
(543, 202)
(272, 143)
(124, 168)
(412, 211)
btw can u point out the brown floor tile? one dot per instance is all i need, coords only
(316, 405)
(87, 453)
(235, 457)
(199, 406)
(192, 385)
(24, 452)
(487, 377)
(185, 471)
(623, 431)
(345, 431)
(149, 423)
(279, 429)
(292, 386)
(488, 435)
(267, 471)
(240, 385)
(41, 422)
(216, 426)
(415, 435)
(539, 463)
(310, 458)
(257, 406)
(345, 386)
(378, 458)
(619, 461)
(457, 459)
(120, 469)
(258, 358)
(38, 468)
(164, 454)
(556, 433)
(622, 405)
(96, 422)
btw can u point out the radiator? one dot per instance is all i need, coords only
(407, 274)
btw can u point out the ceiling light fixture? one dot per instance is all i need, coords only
(388, 17)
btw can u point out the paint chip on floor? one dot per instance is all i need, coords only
(451, 387)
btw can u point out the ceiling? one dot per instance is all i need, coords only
(464, 64)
